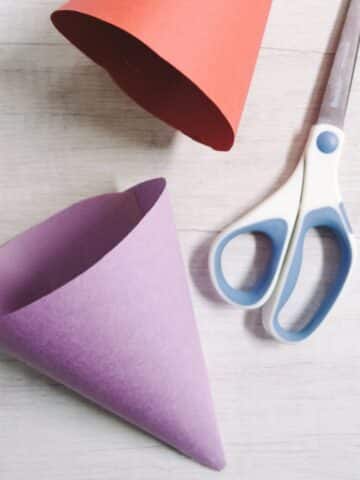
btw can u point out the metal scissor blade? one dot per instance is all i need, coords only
(336, 98)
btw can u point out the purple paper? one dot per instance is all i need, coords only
(96, 297)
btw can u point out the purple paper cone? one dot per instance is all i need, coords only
(96, 297)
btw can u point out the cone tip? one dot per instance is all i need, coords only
(213, 457)
(217, 462)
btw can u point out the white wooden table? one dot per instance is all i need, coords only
(66, 133)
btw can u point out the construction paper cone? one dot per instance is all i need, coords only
(189, 62)
(96, 297)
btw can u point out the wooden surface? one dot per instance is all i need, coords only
(66, 133)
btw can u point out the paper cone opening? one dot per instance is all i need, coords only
(148, 79)
(55, 252)
(189, 63)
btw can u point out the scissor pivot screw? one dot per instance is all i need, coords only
(327, 142)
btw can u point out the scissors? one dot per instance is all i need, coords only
(309, 199)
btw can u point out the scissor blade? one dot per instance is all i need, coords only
(337, 93)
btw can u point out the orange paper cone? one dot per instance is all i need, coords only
(189, 62)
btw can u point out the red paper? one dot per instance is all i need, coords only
(188, 62)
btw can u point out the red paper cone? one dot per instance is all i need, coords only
(188, 62)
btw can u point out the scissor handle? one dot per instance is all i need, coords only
(321, 206)
(274, 218)
(310, 199)
(336, 221)
(276, 231)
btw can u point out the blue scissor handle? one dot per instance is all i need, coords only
(337, 222)
(276, 230)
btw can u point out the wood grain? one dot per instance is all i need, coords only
(66, 132)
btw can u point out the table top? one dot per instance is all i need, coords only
(67, 133)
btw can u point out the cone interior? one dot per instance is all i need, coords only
(56, 251)
(147, 78)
